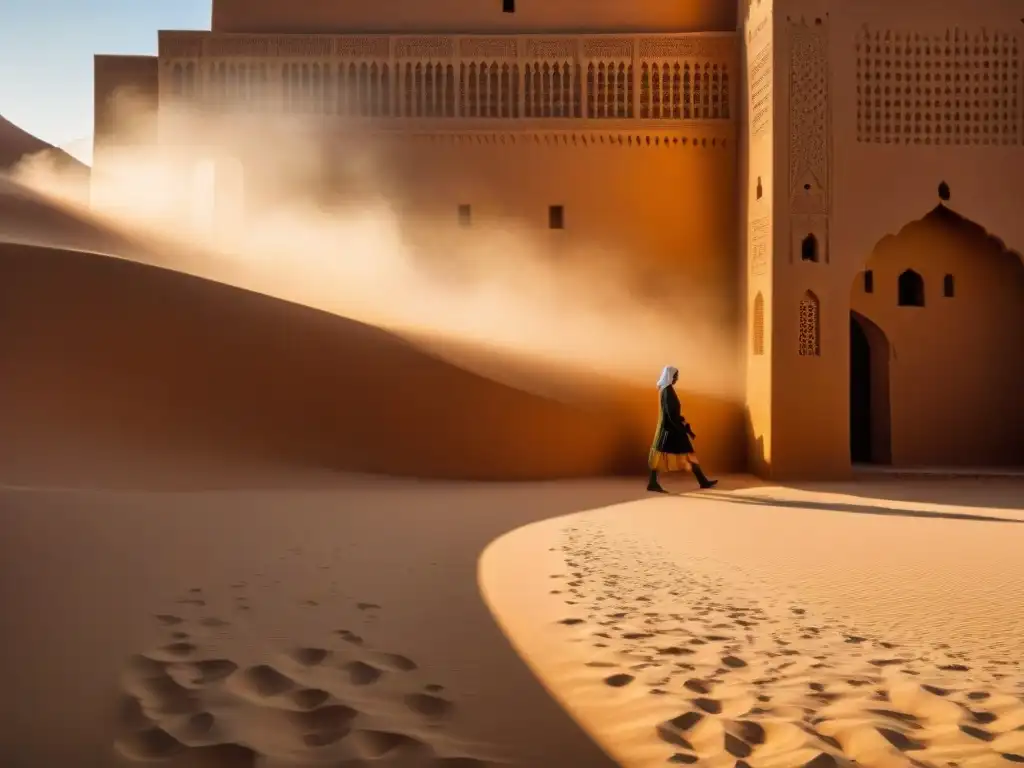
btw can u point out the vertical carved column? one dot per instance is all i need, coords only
(636, 78)
(809, 129)
(521, 58)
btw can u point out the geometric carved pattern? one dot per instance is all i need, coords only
(552, 89)
(760, 231)
(808, 117)
(684, 91)
(757, 332)
(684, 76)
(810, 325)
(582, 139)
(761, 92)
(609, 90)
(954, 88)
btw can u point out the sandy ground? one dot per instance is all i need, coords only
(862, 624)
(329, 620)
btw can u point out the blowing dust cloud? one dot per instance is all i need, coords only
(321, 218)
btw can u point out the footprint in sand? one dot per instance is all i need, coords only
(807, 688)
(182, 702)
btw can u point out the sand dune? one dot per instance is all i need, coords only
(131, 355)
(776, 628)
(16, 144)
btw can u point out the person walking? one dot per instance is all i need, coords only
(672, 449)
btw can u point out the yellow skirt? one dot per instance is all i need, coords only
(671, 462)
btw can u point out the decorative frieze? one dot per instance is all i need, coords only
(504, 47)
(687, 46)
(181, 45)
(370, 47)
(608, 48)
(432, 47)
(552, 47)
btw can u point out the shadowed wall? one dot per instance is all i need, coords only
(133, 357)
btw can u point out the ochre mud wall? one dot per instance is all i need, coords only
(138, 358)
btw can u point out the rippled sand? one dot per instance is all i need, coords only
(775, 628)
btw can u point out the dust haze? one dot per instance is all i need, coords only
(320, 218)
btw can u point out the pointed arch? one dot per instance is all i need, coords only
(757, 326)
(810, 325)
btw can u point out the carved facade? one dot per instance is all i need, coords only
(677, 77)
(772, 157)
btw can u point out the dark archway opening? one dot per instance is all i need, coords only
(869, 393)
(910, 289)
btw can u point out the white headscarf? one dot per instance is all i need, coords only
(667, 377)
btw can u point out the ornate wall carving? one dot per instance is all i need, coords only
(376, 47)
(488, 48)
(552, 48)
(760, 79)
(608, 48)
(760, 240)
(424, 47)
(954, 88)
(809, 343)
(580, 139)
(808, 117)
(686, 77)
(180, 44)
(686, 46)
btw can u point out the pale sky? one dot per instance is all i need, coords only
(46, 50)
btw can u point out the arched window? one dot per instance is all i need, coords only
(809, 248)
(948, 287)
(757, 323)
(810, 322)
(910, 289)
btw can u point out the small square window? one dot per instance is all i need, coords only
(465, 215)
(556, 217)
(508, 6)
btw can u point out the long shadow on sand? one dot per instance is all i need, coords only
(407, 548)
(857, 509)
(989, 492)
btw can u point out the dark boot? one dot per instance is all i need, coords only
(652, 484)
(702, 478)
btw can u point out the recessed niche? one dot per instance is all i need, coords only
(556, 217)
(948, 287)
(508, 6)
(869, 281)
(910, 289)
(759, 190)
(943, 191)
(465, 215)
(809, 249)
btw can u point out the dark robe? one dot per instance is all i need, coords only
(674, 433)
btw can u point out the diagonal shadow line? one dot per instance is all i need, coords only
(857, 509)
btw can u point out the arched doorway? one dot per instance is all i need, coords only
(870, 433)
(950, 299)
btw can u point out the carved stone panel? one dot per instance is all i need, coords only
(761, 92)
(364, 47)
(687, 46)
(488, 48)
(759, 240)
(552, 48)
(180, 45)
(424, 47)
(914, 88)
(608, 48)
(808, 117)
(305, 45)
